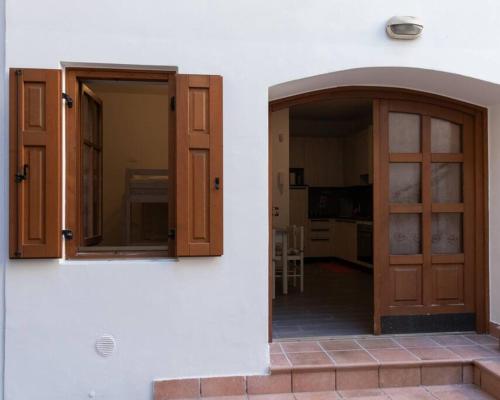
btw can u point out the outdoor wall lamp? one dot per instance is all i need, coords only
(404, 27)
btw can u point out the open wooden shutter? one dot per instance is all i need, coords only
(35, 163)
(198, 165)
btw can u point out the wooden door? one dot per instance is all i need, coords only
(424, 218)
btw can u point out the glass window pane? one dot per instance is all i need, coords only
(447, 235)
(446, 137)
(405, 234)
(446, 182)
(87, 183)
(404, 182)
(404, 133)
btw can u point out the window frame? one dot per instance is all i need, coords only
(73, 203)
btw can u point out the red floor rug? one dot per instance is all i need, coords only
(337, 268)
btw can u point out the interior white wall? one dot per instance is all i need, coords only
(208, 316)
(279, 128)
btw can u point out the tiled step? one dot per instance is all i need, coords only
(487, 376)
(357, 364)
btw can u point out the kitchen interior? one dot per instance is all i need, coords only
(322, 186)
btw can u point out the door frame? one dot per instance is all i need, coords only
(375, 94)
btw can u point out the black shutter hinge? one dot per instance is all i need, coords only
(172, 103)
(171, 234)
(19, 72)
(69, 100)
(22, 176)
(67, 234)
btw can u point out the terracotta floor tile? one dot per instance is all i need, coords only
(493, 348)
(458, 392)
(279, 360)
(275, 348)
(392, 355)
(434, 353)
(303, 359)
(493, 364)
(416, 341)
(483, 339)
(452, 340)
(352, 357)
(363, 394)
(317, 396)
(308, 381)
(441, 375)
(409, 393)
(223, 386)
(265, 384)
(300, 347)
(347, 344)
(384, 343)
(277, 396)
(242, 397)
(471, 352)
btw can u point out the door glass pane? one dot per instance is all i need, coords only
(404, 133)
(446, 137)
(446, 182)
(404, 182)
(447, 235)
(405, 232)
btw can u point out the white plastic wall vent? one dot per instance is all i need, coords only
(105, 345)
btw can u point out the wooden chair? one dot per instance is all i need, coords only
(289, 252)
(276, 258)
(295, 256)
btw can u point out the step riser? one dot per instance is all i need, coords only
(317, 381)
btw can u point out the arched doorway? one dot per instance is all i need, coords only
(429, 215)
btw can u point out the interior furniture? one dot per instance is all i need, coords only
(288, 256)
(143, 186)
(295, 255)
(279, 258)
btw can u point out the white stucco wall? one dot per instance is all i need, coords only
(201, 317)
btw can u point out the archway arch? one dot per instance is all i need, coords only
(465, 95)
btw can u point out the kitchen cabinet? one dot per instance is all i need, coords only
(298, 206)
(319, 243)
(320, 157)
(345, 239)
(358, 158)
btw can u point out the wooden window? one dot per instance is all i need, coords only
(194, 164)
(91, 145)
(194, 107)
(35, 163)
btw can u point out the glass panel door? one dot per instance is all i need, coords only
(425, 210)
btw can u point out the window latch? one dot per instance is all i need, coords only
(68, 99)
(217, 183)
(171, 234)
(67, 234)
(172, 103)
(24, 175)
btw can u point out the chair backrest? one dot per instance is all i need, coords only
(296, 238)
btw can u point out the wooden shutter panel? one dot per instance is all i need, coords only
(199, 165)
(35, 163)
